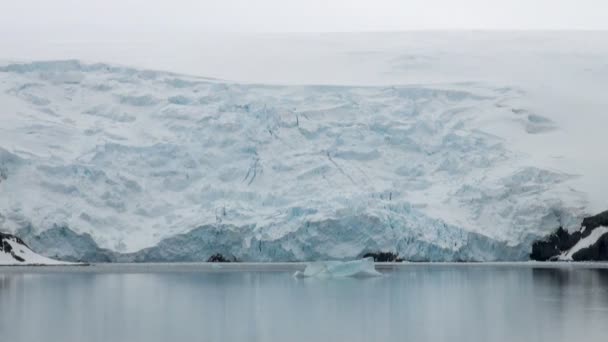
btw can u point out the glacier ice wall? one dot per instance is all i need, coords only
(113, 163)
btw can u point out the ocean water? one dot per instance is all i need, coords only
(201, 302)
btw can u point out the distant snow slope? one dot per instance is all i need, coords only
(138, 158)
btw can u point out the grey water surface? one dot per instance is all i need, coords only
(202, 302)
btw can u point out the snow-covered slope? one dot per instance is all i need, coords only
(185, 167)
(13, 251)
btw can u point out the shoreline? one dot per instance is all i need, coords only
(276, 266)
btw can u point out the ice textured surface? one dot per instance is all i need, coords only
(164, 167)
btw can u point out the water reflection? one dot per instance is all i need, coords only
(418, 303)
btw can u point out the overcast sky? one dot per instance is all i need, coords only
(55, 19)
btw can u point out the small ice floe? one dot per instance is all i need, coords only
(338, 269)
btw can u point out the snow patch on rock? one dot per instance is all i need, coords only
(585, 242)
(13, 251)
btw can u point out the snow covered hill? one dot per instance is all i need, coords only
(13, 251)
(147, 165)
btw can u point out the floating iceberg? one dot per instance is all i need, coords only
(339, 269)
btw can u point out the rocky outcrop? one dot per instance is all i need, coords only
(218, 257)
(384, 257)
(593, 222)
(554, 245)
(598, 251)
(589, 243)
(7, 248)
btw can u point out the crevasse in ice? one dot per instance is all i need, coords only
(113, 163)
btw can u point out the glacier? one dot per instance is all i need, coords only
(101, 162)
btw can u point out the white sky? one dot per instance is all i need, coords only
(107, 19)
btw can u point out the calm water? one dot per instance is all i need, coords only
(199, 303)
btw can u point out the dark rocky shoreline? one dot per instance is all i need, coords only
(561, 241)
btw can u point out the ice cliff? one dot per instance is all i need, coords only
(108, 163)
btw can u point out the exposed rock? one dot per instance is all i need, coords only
(7, 248)
(5, 236)
(554, 245)
(384, 257)
(558, 245)
(596, 252)
(593, 222)
(217, 257)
